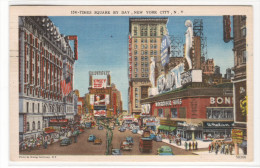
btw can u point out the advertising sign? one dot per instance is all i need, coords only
(130, 56)
(170, 81)
(237, 135)
(165, 50)
(99, 113)
(91, 99)
(99, 83)
(241, 102)
(101, 99)
(217, 124)
(191, 76)
(146, 109)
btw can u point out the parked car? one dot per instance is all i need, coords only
(122, 129)
(158, 138)
(116, 152)
(100, 127)
(152, 136)
(97, 141)
(130, 140)
(91, 138)
(65, 142)
(134, 131)
(164, 150)
(125, 145)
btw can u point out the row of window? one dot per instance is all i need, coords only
(173, 113)
(142, 64)
(28, 128)
(152, 46)
(145, 52)
(53, 108)
(144, 40)
(144, 30)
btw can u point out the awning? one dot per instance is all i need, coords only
(49, 131)
(166, 128)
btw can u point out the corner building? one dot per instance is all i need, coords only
(145, 35)
(45, 59)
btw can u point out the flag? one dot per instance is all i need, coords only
(66, 86)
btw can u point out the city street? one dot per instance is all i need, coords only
(83, 147)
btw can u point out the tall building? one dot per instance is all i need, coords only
(217, 70)
(208, 67)
(239, 80)
(45, 60)
(145, 35)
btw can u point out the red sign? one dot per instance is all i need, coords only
(75, 38)
(99, 83)
(99, 112)
(130, 56)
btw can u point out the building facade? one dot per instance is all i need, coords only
(145, 35)
(45, 60)
(239, 80)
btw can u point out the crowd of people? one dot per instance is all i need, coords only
(191, 145)
(222, 148)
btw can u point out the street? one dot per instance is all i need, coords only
(83, 147)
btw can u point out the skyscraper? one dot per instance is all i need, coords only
(145, 35)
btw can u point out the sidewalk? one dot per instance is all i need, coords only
(201, 144)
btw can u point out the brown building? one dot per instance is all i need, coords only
(145, 36)
(239, 81)
(208, 67)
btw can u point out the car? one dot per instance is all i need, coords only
(164, 150)
(122, 129)
(116, 152)
(98, 141)
(158, 138)
(65, 142)
(134, 131)
(91, 138)
(130, 140)
(100, 127)
(125, 145)
(152, 136)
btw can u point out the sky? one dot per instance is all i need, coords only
(103, 43)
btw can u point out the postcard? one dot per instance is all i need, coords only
(131, 84)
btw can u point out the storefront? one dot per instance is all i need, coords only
(167, 127)
(217, 130)
(189, 131)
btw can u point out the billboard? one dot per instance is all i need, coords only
(99, 83)
(170, 81)
(165, 50)
(146, 109)
(100, 113)
(101, 99)
(191, 76)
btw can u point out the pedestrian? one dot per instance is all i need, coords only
(193, 145)
(180, 141)
(222, 148)
(186, 145)
(212, 147)
(196, 145)
(45, 143)
(189, 145)
(216, 149)
(209, 148)
(226, 149)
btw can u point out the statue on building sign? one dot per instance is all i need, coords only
(188, 36)
(152, 69)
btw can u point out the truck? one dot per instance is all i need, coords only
(145, 145)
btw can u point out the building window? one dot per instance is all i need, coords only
(174, 112)
(135, 58)
(160, 112)
(155, 46)
(38, 107)
(243, 32)
(142, 52)
(155, 52)
(135, 40)
(135, 30)
(136, 46)
(146, 52)
(27, 106)
(135, 63)
(33, 125)
(33, 107)
(143, 30)
(39, 125)
(142, 46)
(142, 58)
(244, 53)
(136, 52)
(151, 46)
(44, 109)
(220, 113)
(161, 30)
(136, 75)
(27, 126)
(151, 52)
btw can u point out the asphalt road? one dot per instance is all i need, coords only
(83, 147)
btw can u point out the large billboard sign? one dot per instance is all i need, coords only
(170, 81)
(191, 76)
(101, 99)
(146, 109)
(99, 83)
(165, 50)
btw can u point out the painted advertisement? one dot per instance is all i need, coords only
(165, 50)
(101, 99)
(99, 83)
(170, 81)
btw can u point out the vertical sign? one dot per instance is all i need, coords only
(24, 123)
(227, 28)
(130, 55)
(165, 50)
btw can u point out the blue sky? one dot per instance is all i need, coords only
(102, 45)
